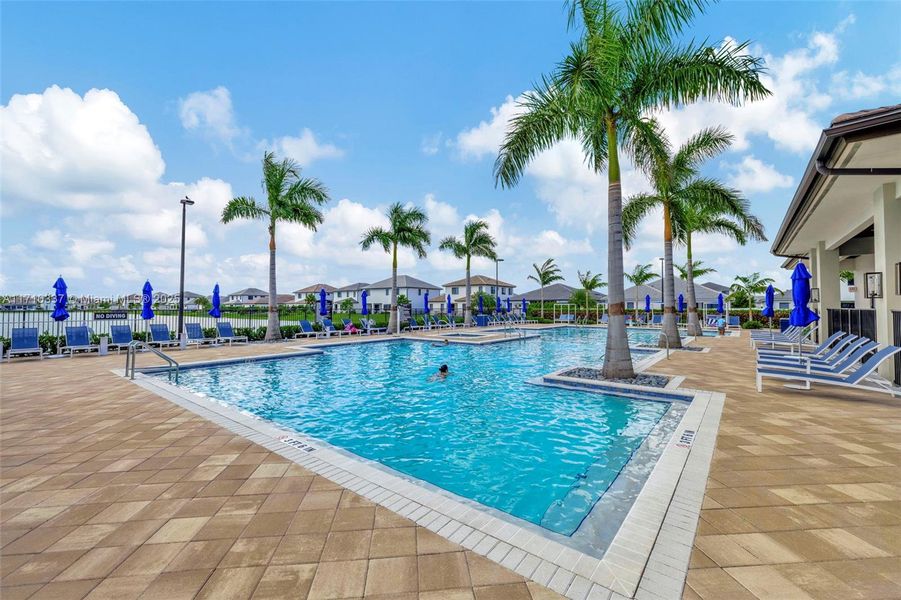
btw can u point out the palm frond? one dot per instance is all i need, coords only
(377, 236)
(242, 207)
(635, 209)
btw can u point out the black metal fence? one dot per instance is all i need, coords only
(859, 321)
(100, 320)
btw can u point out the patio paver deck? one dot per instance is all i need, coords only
(109, 491)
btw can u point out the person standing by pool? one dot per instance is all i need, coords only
(721, 325)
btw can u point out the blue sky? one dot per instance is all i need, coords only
(112, 111)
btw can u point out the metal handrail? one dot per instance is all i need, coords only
(131, 355)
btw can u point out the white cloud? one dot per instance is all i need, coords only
(753, 175)
(61, 149)
(304, 148)
(485, 138)
(431, 144)
(210, 114)
(861, 85)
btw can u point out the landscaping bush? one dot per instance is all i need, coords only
(210, 332)
(752, 325)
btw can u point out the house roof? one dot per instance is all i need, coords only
(405, 281)
(480, 280)
(640, 291)
(314, 289)
(716, 287)
(280, 299)
(702, 292)
(556, 292)
(353, 287)
(442, 298)
(251, 291)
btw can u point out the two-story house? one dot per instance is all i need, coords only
(479, 283)
(246, 295)
(414, 289)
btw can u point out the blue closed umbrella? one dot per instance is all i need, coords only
(524, 306)
(215, 312)
(450, 305)
(497, 304)
(425, 303)
(481, 304)
(365, 297)
(509, 305)
(647, 303)
(801, 315)
(147, 301)
(62, 298)
(322, 310)
(719, 304)
(769, 300)
(681, 303)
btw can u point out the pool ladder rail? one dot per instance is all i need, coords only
(131, 355)
(510, 329)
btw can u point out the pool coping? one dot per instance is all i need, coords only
(650, 551)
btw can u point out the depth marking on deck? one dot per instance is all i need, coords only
(296, 443)
(685, 440)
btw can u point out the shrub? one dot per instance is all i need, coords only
(752, 325)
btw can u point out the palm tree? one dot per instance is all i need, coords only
(476, 241)
(697, 268)
(290, 198)
(748, 286)
(545, 274)
(721, 210)
(406, 229)
(640, 275)
(625, 64)
(589, 284)
(676, 183)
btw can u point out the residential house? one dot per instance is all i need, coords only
(414, 289)
(314, 289)
(245, 296)
(353, 292)
(556, 293)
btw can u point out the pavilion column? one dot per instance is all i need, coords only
(827, 280)
(887, 252)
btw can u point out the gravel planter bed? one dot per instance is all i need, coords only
(598, 375)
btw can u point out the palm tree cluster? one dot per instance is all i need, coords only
(545, 274)
(476, 241)
(626, 64)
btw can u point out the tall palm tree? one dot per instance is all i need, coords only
(589, 284)
(545, 274)
(290, 198)
(406, 229)
(697, 268)
(476, 241)
(720, 210)
(676, 183)
(640, 275)
(749, 286)
(625, 64)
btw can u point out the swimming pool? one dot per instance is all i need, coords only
(541, 454)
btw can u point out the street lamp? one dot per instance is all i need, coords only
(497, 287)
(185, 203)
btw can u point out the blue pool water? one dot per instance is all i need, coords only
(542, 454)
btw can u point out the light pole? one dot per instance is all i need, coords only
(497, 287)
(185, 203)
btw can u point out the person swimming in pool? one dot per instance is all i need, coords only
(442, 373)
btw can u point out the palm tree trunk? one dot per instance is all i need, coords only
(694, 324)
(617, 358)
(670, 329)
(541, 294)
(273, 327)
(467, 312)
(393, 323)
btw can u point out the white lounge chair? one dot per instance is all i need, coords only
(860, 379)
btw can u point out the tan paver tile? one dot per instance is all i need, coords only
(283, 581)
(120, 588)
(301, 548)
(442, 571)
(343, 579)
(251, 552)
(150, 559)
(181, 585)
(96, 563)
(200, 555)
(392, 575)
(346, 545)
(396, 541)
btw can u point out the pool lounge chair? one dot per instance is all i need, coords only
(657, 320)
(370, 328)
(306, 330)
(412, 325)
(24, 341)
(120, 337)
(78, 339)
(605, 319)
(841, 364)
(227, 334)
(861, 378)
(839, 338)
(348, 324)
(329, 328)
(160, 336)
(439, 323)
(196, 337)
(734, 321)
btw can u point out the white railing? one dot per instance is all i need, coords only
(131, 358)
